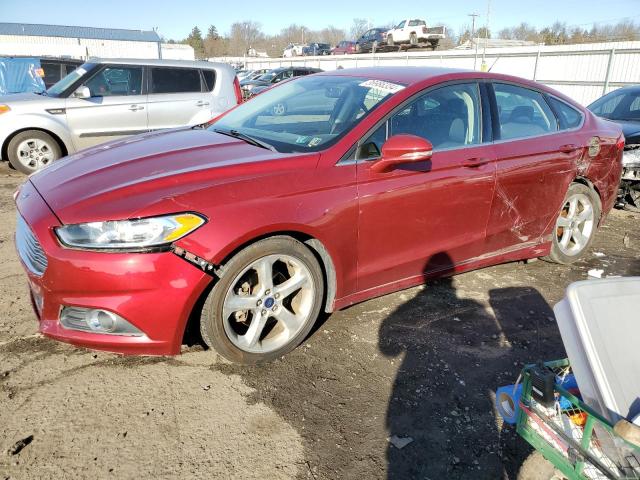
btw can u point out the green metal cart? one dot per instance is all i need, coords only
(579, 442)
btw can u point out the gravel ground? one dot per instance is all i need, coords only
(418, 367)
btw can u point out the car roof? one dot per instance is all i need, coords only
(158, 63)
(405, 75)
(413, 75)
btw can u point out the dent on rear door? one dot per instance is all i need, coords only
(532, 179)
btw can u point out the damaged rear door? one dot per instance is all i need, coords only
(536, 162)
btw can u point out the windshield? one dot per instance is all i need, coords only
(620, 105)
(308, 114)
(63, 85)
(268, 76)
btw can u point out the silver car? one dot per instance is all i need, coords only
(105, 99)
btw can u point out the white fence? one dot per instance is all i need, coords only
(583, 72)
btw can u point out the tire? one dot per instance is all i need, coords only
(574, 218)
(390, 40)
(229, 331)
(358, 48)
(434, 44)
(536, 467)
(374, 46)
(413, 40)
(32, 150)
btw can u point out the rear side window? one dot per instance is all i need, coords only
(175, 80)
(522, 112)
(569, 117)
(209, 79)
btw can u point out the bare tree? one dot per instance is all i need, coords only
(358, 27)
(243, 36)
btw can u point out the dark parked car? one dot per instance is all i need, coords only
(370, 181)
(623, 107)
(345, 47)
(371, 40)
(317, 49)
(56, 69)
(253, 87)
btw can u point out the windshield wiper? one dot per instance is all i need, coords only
(247, 138)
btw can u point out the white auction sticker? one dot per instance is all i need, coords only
(382, 85)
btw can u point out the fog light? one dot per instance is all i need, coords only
(101, 321)
(96, 320)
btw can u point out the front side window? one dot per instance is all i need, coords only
(522, 112)
(569, 116)
(175, 80)
(116, 81)
(310, 113)
(448, 117)
(401, 24)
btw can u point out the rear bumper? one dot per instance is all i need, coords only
(155, 292)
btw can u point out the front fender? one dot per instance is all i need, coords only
(56, 124)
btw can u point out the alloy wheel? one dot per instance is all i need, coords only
(268, 303)
(575, 225)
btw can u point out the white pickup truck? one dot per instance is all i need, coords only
(413, 32)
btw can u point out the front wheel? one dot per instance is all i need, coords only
(32, 150)
(267, 300)
(576, 224)
(390, 40)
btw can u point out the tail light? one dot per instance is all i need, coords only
(620, 143)
(237, 90)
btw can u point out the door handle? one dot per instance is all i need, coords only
(135, 108)
(475, 162)
(202, 104)
(569, 148)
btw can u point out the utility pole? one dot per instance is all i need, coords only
(473, 31)
(483, 67)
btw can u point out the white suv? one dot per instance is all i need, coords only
(105, 99)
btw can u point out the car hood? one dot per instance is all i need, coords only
(260, 83)
(150, 174)
(631, 130)
(18, 100)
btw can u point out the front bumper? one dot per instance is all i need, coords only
(155, 292)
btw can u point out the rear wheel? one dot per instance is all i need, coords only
(576, 224)
(434, 44)
(358, 48)
(390, 40)
(413, 40)
(265, 303)
(32, 150)
(374, 46)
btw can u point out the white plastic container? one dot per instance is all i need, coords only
(599, 321)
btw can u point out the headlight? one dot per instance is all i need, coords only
(137, 234)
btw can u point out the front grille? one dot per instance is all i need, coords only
(29, 248)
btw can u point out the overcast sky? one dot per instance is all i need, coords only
(175, 18)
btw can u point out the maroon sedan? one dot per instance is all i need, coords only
(319, 193)
(345, 47)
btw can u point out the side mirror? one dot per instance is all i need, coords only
(82, 92)
(402, 149)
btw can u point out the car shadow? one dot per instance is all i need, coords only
(455, 351)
